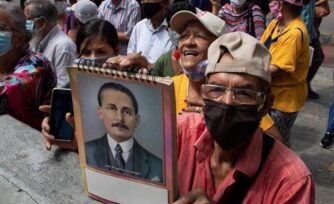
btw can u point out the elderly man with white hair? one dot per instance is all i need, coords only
(26, 78)
(48, 39)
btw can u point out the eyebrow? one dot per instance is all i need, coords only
(123, 107)
(128, 109)
(242, 86)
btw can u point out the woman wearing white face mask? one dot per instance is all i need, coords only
(26, 78)
(244, 17)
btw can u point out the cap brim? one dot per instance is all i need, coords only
(180, 20)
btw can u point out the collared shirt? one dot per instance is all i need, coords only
(152, 43)
(28, 87)
(126, 147)
(61, 51)
(284, 178)
(124, 17)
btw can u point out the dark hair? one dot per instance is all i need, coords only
(176, 7)
(99, 28)
(117, 87)
(295, 10)
(42, 8)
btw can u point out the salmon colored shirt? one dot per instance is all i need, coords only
(291, 54)
(284, 178)
(181, 87)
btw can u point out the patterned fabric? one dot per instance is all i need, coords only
(242, 22)
(29, 87)
(284, 123)
(284, 178)
(124, 17)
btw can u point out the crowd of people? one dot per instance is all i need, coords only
(242, 70)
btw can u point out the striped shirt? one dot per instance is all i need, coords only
(284, 178)
(243, 22)
(124, 17)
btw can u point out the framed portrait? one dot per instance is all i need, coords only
(126, 133)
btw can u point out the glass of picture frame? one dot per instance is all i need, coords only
(126, 132)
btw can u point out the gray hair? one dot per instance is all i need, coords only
(43, 8)
(15, 14)
(16, 17)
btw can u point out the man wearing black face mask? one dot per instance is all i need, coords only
(150, 36)
(223, 154)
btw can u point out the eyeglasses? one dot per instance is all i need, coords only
(240, 96)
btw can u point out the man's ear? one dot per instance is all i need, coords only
(267, 104)
(137, 120)
(99, 112)
(280, 6)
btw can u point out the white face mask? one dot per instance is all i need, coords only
(238, 3)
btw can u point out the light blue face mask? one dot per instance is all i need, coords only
(30, 25)
(196, 73)
(5, 42)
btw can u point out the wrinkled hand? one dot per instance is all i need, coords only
(196, 196)
(121, 60)
(49, 139)
(128, 61)
(194, 105)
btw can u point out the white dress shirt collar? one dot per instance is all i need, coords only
(126, 146)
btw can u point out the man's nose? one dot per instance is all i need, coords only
(190, 41)
(228, 97)
(119, 115)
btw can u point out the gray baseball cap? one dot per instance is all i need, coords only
(213, 23)
(85, 10)
(250, 56)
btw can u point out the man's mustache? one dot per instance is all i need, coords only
(120, 125)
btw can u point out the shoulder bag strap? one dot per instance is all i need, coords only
(236, 192)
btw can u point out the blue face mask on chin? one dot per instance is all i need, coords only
(196, 73)
(30, 25)
(5, 42)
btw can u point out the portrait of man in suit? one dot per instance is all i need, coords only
(118, 150)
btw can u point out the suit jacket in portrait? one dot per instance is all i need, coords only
(141, 163)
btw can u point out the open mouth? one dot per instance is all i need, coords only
(190, 53)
